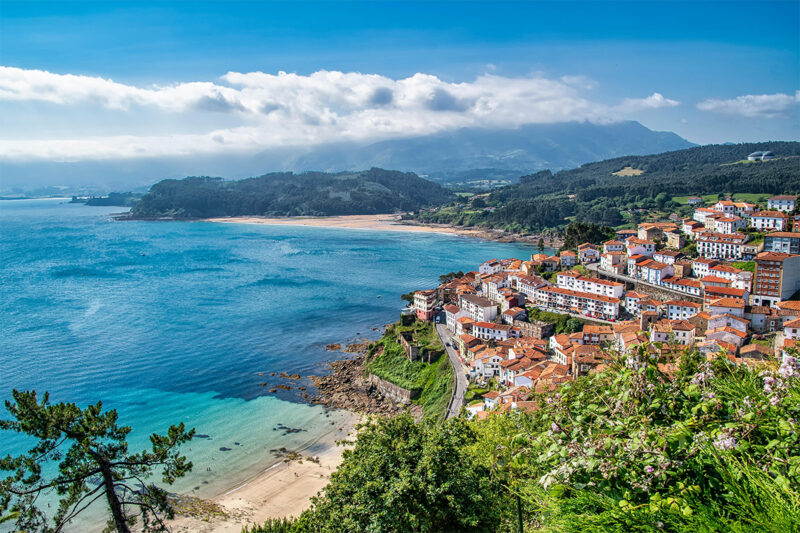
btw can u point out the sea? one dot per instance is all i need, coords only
(194, 322)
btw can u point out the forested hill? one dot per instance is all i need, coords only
(610, 191)
(287, 194)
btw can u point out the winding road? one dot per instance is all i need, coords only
(457, 401)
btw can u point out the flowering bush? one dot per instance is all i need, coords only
(655, 443)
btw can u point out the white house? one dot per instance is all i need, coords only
(791, 329)
(528, 284)
(653, 271)
(492, 266)
(701, 266)
(637, 246)
(568, 259)
(770, 220)
(613, 246)
(728, 321)
(721, 245)
(729, 224)
(681, 309)
(668, 257)
(575, 281)
(478, 308)
(491, 331)
(588, 253)
(785, 203)
(452, 314)
(614, 262)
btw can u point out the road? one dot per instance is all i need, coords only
(457, 402)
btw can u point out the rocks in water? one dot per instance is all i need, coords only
(287, 430)
(284, 387)
(225, 449)
(263, 383)
(357, 347)
(273, 390)
(286, 375)
(236, 444)
(202, 436)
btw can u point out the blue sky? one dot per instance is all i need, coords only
(709, 71)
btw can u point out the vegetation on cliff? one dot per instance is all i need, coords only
(287, 194)
(709, 447)
(432, 383)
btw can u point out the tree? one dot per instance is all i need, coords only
(93, 462)
(540, 246)
(404, 476)
(444, 278)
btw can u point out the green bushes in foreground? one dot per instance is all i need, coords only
(710, 448)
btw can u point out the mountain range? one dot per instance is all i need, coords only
(472, 156)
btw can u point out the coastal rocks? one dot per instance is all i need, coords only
(197, 508)
(333, 347)
(347, 388)
(357, 347)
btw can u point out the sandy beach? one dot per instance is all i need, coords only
(281, 490)
(370, 222)
(391, 222)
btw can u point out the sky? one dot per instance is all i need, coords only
(108, 81)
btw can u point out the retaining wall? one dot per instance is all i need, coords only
(392, 391)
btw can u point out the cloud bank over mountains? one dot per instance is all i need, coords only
(267, 111)
(755, 105)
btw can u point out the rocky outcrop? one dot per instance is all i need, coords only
(346, 387)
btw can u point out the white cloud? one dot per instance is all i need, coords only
(754, 105)
(654, 101)
(286, 109)
(579, 81)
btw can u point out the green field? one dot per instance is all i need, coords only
(752, 197)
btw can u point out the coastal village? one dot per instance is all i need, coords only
(726, 281)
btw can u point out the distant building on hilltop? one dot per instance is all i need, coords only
(761, 156)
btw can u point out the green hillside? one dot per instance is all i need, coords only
(600, 193)
(288, 194)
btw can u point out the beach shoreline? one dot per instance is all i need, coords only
(282, 489)
(383, 222)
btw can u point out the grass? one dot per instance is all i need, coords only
(752, 197)
(629, 171)
(432, 383)
(475, 393)
(749, 266)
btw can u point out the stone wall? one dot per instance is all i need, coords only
(405, 339)
(392, 391)
(653, 291)
(540, 330)
(663, 294)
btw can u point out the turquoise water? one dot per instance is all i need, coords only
(182, 321)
